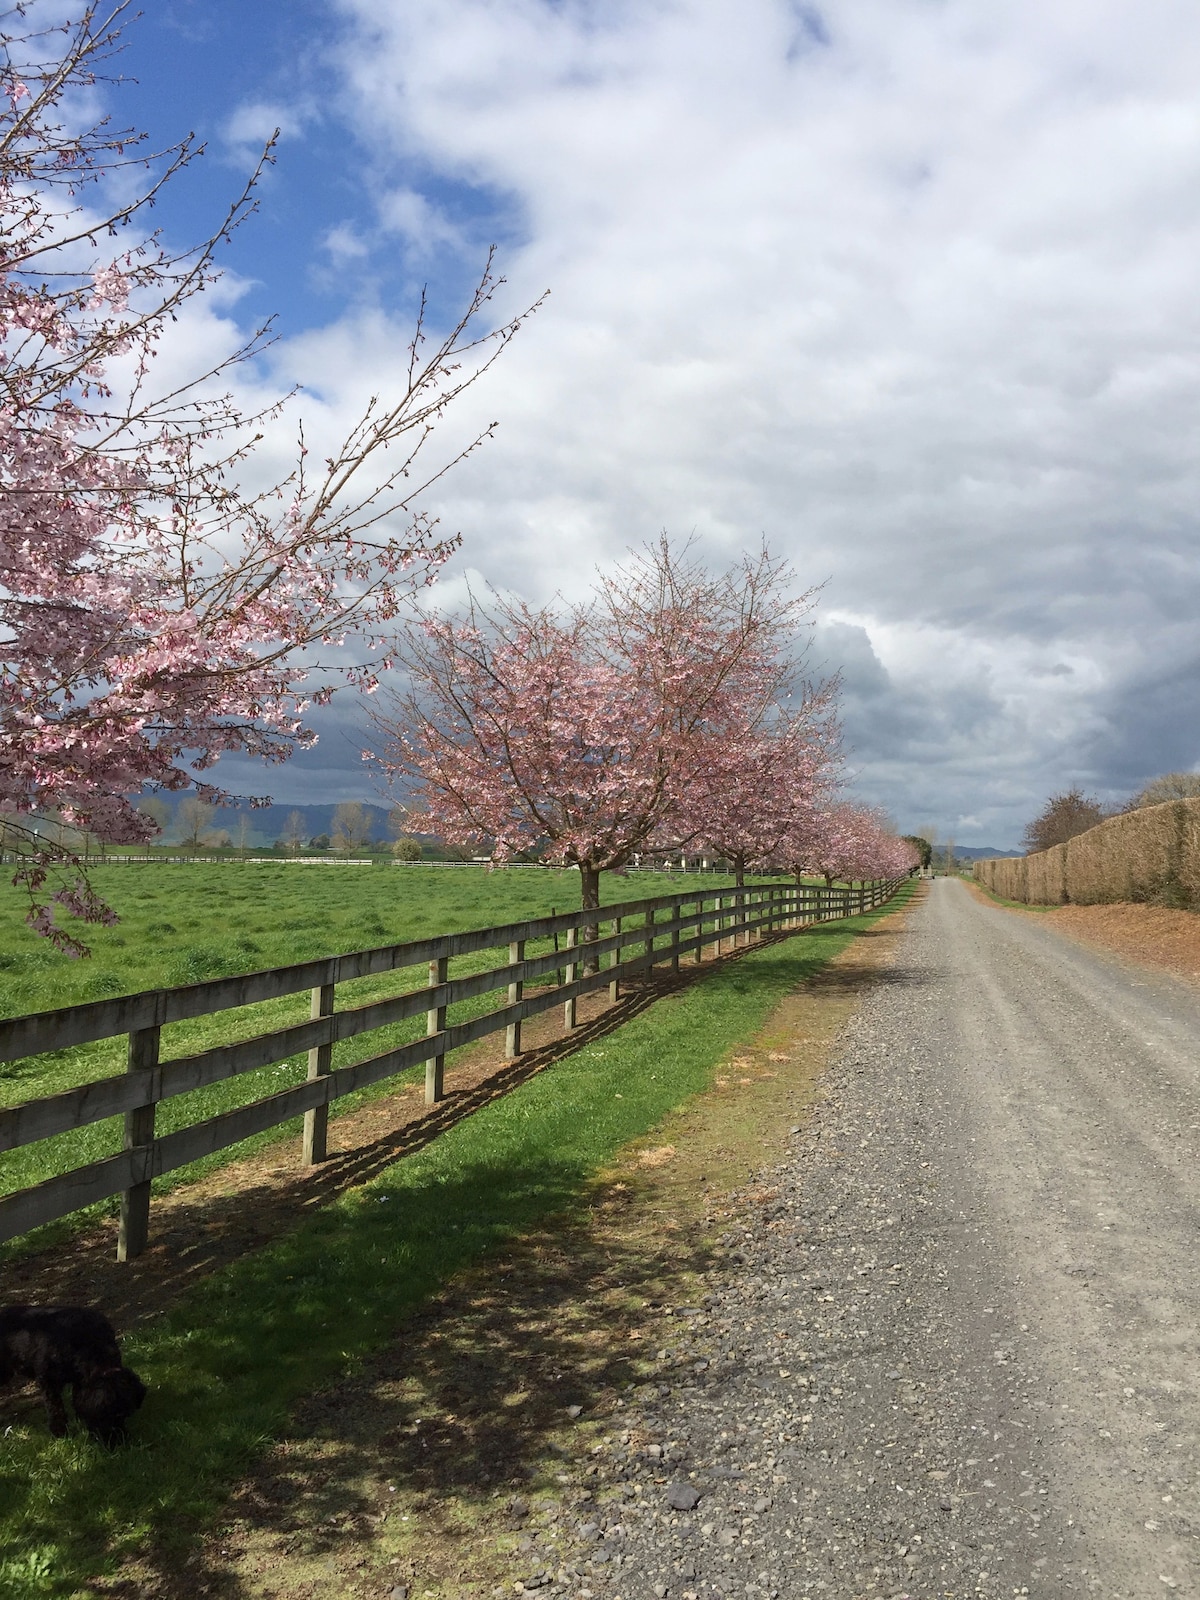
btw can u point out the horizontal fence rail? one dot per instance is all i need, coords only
(669, 869)
(641, 935)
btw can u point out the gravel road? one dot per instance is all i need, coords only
(951, 1349)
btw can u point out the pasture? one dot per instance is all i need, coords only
(186, 923)
(182, 923)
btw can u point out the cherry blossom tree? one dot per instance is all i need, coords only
(585, 735)
(848, 842)
(156, 612)
(756, 783)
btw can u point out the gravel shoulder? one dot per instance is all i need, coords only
(956, 1353)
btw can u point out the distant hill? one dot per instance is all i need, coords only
(978, 852)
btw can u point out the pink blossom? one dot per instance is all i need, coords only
(157, 615)
(587, 735)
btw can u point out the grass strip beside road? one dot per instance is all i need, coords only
(991, 897)
(241, 1351)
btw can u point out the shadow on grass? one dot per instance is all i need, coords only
(203, 1231)
(472, 1401)
(379, 1237)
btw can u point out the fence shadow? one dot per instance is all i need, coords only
(199, 1228)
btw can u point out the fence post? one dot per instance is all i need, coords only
(614, 983)
(676, 913)
(569, 1005)
(516, 990)
(320, 1059)
(698, 956)
(435, 1067)
(134, 1228)
(650, 942)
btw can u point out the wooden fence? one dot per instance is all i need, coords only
(640, 935)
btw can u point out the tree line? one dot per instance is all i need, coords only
(669, 712)
(1073, 812)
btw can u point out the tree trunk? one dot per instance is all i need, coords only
(739, 871)
(589, 900)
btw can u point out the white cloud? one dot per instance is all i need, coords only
(253, 123)
(424, 227)
(917, 302)
(345, 244)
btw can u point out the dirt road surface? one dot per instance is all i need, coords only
(954, 1352)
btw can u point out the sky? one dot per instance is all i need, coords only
(910, 289)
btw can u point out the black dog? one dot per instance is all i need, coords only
(59, 1345)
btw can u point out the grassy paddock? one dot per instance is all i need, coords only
(227, 1364)
(186, 923)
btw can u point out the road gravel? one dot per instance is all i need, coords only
(951, 1347)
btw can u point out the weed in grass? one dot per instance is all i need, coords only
(201, 961)
(28, 1576)
(102, 984)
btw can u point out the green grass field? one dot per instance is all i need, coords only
(230, 1360)
(186, 923)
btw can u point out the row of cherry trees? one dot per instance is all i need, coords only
(670, 712)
